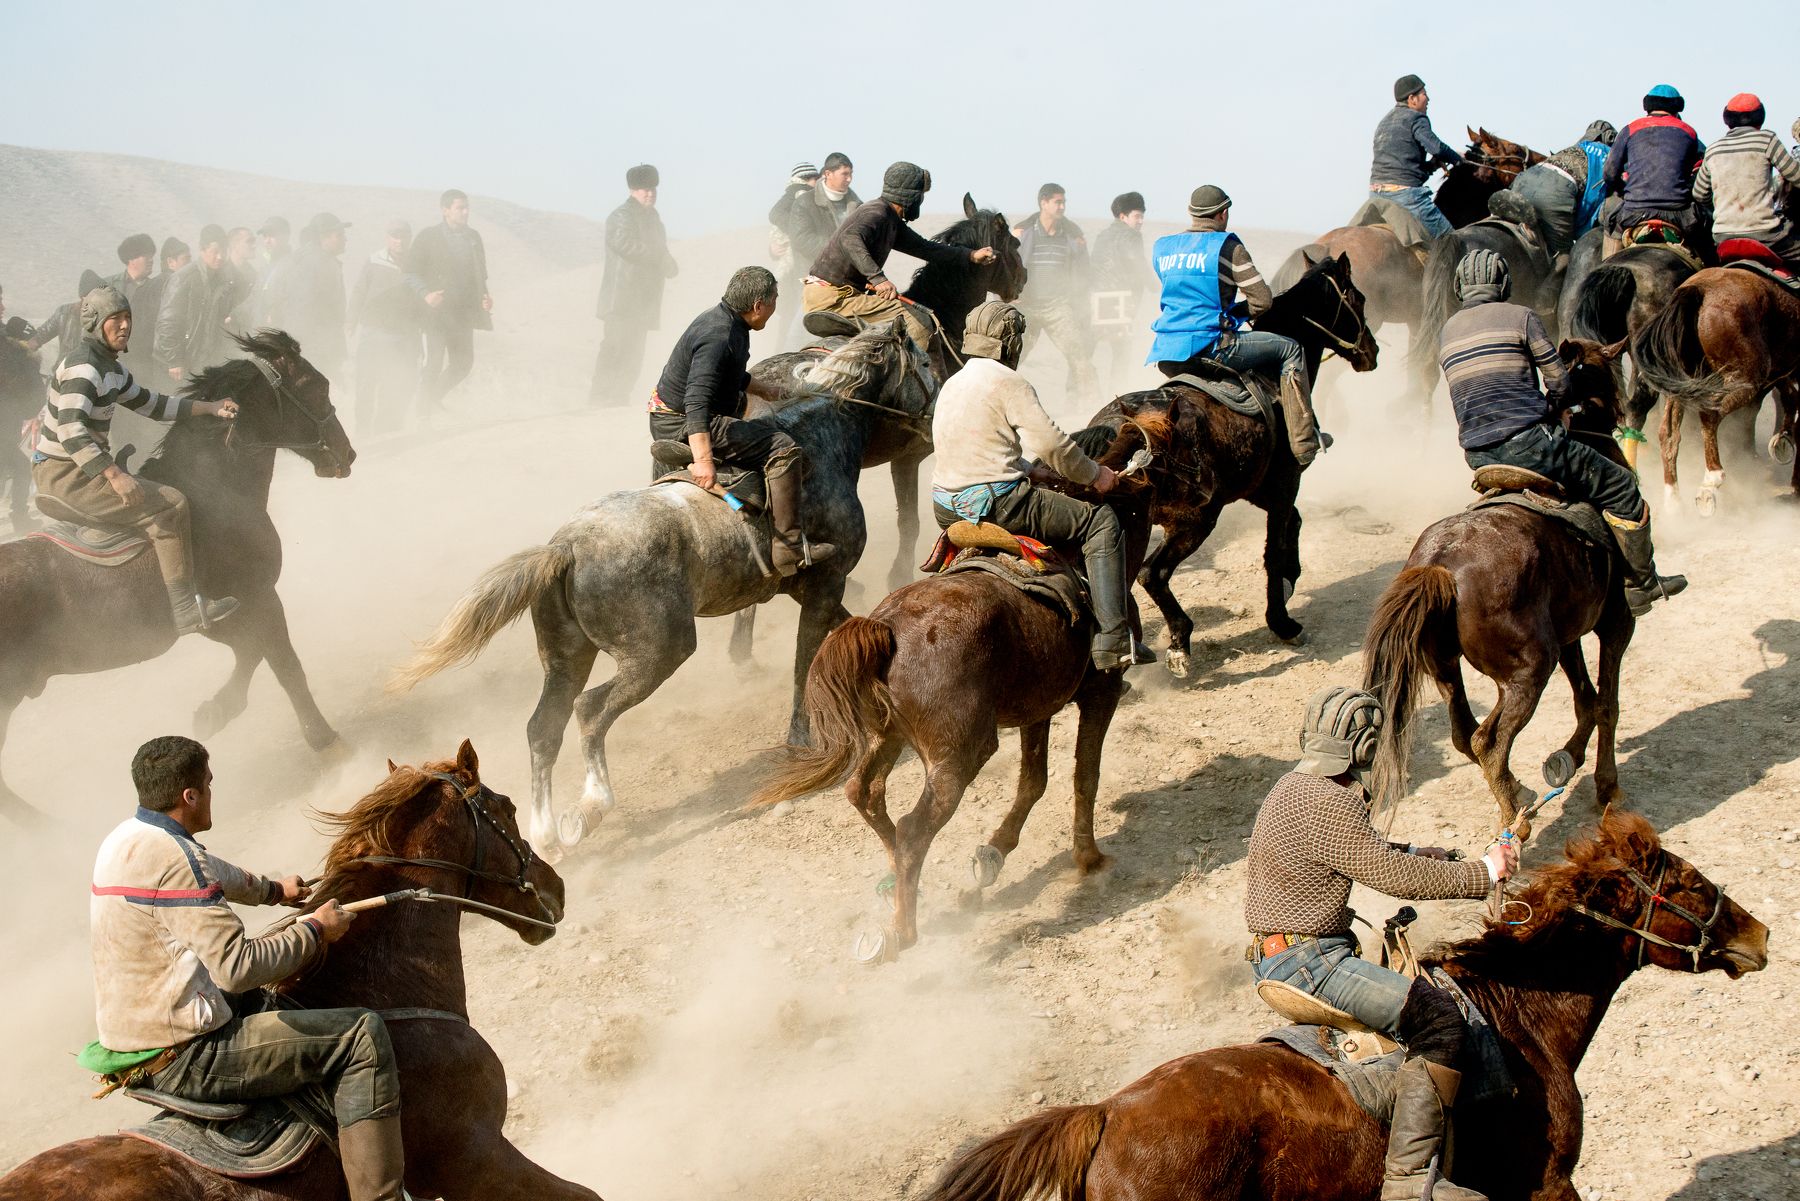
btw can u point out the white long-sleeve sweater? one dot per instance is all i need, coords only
(987, 417)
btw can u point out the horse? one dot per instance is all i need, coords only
(1490, 165)
(629, 573)
(433, 827)
(1239, 457)
(1513, 592)
(1258, 1122)
(1611, 301)
(1727, 336)
(945, 663)
(71, 616)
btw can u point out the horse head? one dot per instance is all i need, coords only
(1325, 306)
(1593, 383)
(1493, 155)
(1005, 276)
(284, 404)
(440, 827)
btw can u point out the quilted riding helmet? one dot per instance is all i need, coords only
(99, 304)
(905, 184)
(1601, 131)
(994, 330)
(1339, 733)
(1482, 276)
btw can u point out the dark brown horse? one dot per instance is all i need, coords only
(943, 665)
(65, 616)
(1513, 592)
(1231, 456)
(405, 956)
(1728, 336)
(1259, 1122)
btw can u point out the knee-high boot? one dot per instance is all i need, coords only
(789, 550)
(374, 1159)
(1643, 587)
(1423, 1092)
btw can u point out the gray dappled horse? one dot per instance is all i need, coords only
(629, 573)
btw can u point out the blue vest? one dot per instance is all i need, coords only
(1589, 208)
(1192, 317)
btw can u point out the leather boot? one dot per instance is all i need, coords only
(374, 1159)
(789, 550)
(1302, 425)
(1108, 588)
(1643, 586)
(1423, 1091)
(195, 614)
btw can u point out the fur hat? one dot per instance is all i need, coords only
(1600, 131)
(100, 303)
(211, 235)
(1482, 276)
(1744, 109)
(994, 330)
(137, 246)
(172, 248)
(905, 184)
(1339, 732)
(1127, 202)
(1405, 86)
(1208, 199)
(642, 176)
(1663, 98)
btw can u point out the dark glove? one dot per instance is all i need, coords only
(1240, 310)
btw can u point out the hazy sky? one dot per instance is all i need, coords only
(547, 104)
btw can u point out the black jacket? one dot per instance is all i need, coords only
(708, 370)
(190, 328)
(857, 252)
(453, 262)
(812, 218)
(637, 263)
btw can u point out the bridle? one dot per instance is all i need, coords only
(918, 423)
(475, 797)
(285, 397)
(1654, 899)
(1339, 344)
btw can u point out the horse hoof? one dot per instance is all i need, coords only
(1178, 663)
(208, 721)
(1559, 769)
(573, 826)
(1706, 502)
(1781, 449)
(869, 947)
(324, 740)
(1296, 638)
(984, 867)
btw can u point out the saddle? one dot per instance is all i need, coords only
(1241, 393)
(743, 488)
(1405, 224)
(1653, 232)
(69, 530)
(1027, 564)
(241, 1141)
(1504, 484)
(1522, 228)
(1747, 254)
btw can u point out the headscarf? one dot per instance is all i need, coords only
(1482, 276)
(994, 330)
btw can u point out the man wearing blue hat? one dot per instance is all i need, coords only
(1651, 169)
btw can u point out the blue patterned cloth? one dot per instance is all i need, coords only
(976, 501)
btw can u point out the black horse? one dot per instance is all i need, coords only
(1243, 457)
(66, 616)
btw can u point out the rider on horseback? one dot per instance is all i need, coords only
(73, 460)
(1312, 840)
(171, 962)
(700, 399)
(987, 417)
(1743, 176)
(1202, 271)
(1651, 168)
(847, 277)
(1566, 189)
(1406, 152)
(1493, 354)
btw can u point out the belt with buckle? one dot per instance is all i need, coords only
(1390, 187)
(1267, 946)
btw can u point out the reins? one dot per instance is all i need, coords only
(1654, 900)
(1340, 345)
(284, 396)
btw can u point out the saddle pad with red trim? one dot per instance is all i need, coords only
(108, 548)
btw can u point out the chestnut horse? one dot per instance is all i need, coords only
(943, 665)
(1513, 592)
(1727, 336)
(1258, 1122)
(436, 827)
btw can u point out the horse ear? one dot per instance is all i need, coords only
(1476, 135)
(1569, 351)
(392, 767)
(465, 758)
(969, 209)
(1611, 353)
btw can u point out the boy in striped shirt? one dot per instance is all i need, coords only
(1743, 176)
(73, 460)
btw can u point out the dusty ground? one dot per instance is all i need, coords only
(698, 1028)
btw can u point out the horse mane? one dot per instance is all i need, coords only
(965, 233)
(850, 369)
(367, 827)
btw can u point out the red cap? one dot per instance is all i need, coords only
(1743, 102)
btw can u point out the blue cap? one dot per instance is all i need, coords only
(1663, 91)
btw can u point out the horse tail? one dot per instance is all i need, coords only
(1604, 305)
(847, 700)
(495, 602)
(1046, 1155)
(1412, 633)
(1438, 301)
(1668, 355)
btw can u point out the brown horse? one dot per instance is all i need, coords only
(1259, 1122)
(441, 828)
(1513, 592)
(1728, 336)
(943, 665)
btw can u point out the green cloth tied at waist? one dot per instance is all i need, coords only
(104, 1061)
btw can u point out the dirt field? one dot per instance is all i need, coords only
(698, 1029)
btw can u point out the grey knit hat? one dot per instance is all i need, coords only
(994, 330)
(1339, 732)
(803, 171)
(1208, 199)
(1405, 86)
(99, 304)
(1600, 131)
(905, 184)
(1482, 276)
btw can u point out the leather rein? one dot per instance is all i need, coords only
(1653, 900)
(1339, 344)
(285, 397)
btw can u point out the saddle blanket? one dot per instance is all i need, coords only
(1379, 210)
(108, 548)
(1060, 587)
(1238, 392)
(272, 1138)
(1584, 519)
(1785, 278)
(1371, 1082)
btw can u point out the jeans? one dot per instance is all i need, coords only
(1583, 472)
(1419, 202)
(1252, 351)
(1329, 969)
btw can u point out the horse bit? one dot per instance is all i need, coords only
(1653, 899)
(285, 395)
(1340, 342)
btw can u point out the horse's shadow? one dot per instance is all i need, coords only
(1753, 1172)
(1213, 812)
(718, 803)
(1699, 757)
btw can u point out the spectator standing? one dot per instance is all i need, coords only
(308, 297)
(803, 181)
(146, 306)
(240, 258)
(138, 253)
(1121, 277)
(190, 329)
(385, 315)
(447, 269)
(1055, 299)
(638, 263)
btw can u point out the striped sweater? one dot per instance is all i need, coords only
(1738, 176)
(167, 946)
(77, 417)
(1493, 356)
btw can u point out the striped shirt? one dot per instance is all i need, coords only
(1237, 272)
(1738, 176)
(77, 417)
(1493, 356)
